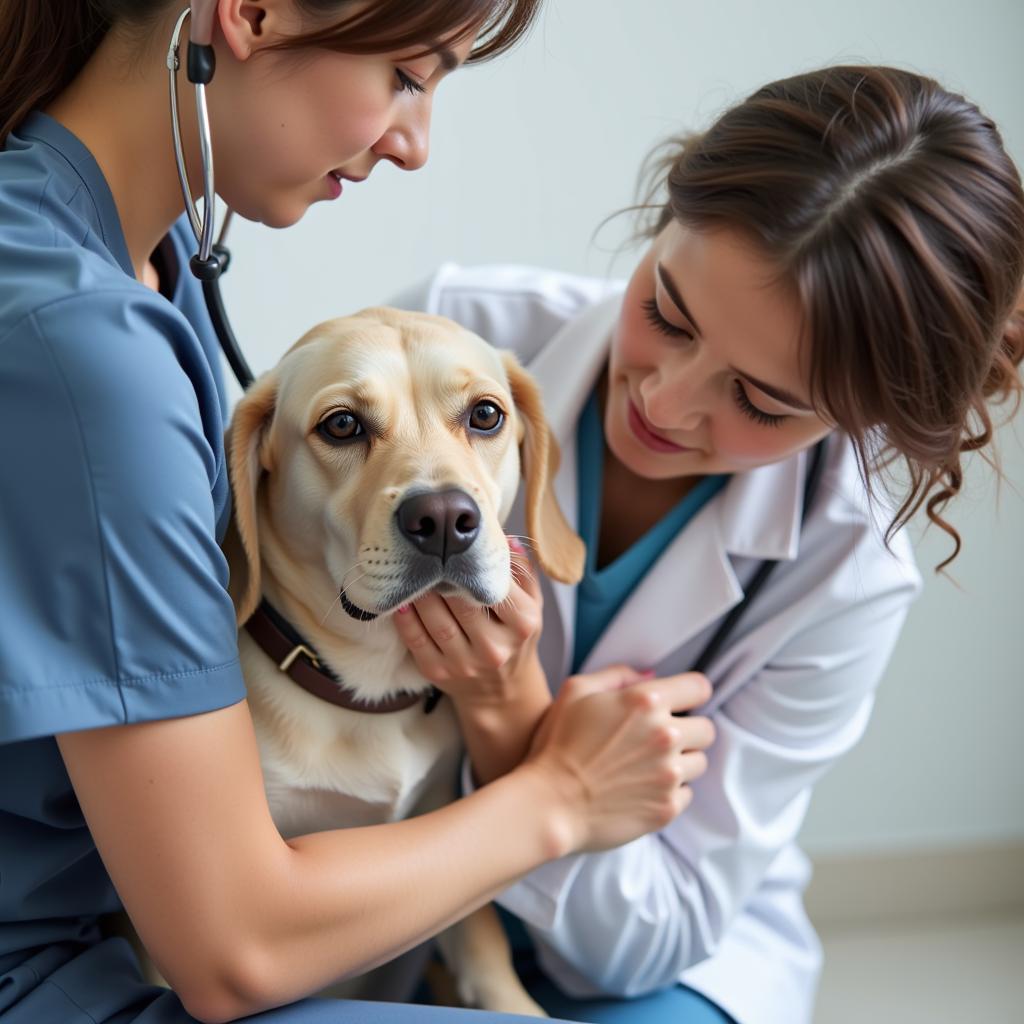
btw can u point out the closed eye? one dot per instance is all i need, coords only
(406, 83)
(653, 316)
(751, 411)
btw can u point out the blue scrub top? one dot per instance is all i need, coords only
(603, 591)
(113, 601)
(113, 497)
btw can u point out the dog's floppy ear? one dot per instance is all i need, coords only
(244, 442)
(559, 550)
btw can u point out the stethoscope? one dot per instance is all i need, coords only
(211, 260)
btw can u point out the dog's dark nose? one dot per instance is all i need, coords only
(440, 523)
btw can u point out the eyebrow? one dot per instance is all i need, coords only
(448, 59)
(673, 294)
(779, 394)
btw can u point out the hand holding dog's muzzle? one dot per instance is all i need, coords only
(479, 656)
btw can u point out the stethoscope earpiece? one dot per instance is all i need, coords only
(201, 63)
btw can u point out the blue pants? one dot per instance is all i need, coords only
(675, 1005)
(678, 1005)
(66, 985)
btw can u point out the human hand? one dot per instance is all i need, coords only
(481, 657)
(610, 746)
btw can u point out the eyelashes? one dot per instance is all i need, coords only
(653, 316)
(406, 83)
(766, 419)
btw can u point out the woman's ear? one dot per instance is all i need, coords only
(250, 25)
(245, 442)
(559, 550)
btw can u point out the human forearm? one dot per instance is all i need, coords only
(497, 734)
(238, 919)
(339, 903)
(586, 785)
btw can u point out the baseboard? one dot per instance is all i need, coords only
(946, 883)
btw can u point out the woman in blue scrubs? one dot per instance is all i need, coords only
(128, 769)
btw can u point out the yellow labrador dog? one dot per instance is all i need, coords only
(375, 463)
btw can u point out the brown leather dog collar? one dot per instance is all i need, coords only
(292, 655)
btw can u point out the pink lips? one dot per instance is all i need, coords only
(333, 186)
(647, 437)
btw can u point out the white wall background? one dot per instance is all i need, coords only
(532, 152)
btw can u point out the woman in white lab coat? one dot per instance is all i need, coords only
(839, 259)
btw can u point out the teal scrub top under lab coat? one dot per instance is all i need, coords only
(113, 600)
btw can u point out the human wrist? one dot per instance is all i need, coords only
(560, 826)
(498, 734)
(491, 715)
(522, 689)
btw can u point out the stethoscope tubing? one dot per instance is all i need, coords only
(202, 225)
(210, 260)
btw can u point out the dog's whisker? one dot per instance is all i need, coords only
(337, 600)
(352, 568)
(355, 581)
(330, 608)
(527, 541)
(521, 575)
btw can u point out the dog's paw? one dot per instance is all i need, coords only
(501, 998)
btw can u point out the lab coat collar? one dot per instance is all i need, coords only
(693, 583)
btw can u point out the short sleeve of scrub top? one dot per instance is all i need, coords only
(114, 589)
(113, 496)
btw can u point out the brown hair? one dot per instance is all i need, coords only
(892, 207)
(43, 44)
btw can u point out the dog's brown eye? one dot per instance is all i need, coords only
(340, 427)
(486, 416)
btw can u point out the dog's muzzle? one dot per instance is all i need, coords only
(441, 527)
(439, 523)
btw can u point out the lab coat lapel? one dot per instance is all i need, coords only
(690, 586)
(693, 584)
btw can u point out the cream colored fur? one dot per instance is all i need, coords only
(312, 518)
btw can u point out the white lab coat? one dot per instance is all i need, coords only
(715, 899)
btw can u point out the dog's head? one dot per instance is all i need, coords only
(379, 459)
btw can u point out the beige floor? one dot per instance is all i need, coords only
(968, 971)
